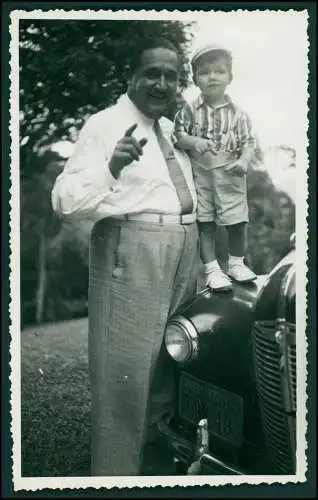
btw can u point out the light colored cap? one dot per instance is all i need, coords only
(206, 49)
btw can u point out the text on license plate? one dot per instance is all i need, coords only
(223, 409)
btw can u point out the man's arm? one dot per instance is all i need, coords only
(91, 172)
(185, 141)
(86, 179)
(182, 128)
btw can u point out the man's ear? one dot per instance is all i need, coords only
(131, 77)
(129, 82)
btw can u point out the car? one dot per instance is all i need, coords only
(235, 359)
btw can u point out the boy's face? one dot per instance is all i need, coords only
(212, 76)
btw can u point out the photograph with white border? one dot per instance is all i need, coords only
(93, 190)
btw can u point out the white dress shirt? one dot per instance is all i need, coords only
(86, 187)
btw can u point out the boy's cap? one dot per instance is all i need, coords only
(206, 49)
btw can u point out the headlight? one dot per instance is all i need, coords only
(181, 339)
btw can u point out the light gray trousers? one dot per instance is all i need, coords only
(140, 273)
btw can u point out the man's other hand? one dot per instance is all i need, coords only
(201, 145)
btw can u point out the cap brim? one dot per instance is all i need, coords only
(207, 50)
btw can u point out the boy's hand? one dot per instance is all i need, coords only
(203, 145)
(238, 167)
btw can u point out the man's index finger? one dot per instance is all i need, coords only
(130, 130)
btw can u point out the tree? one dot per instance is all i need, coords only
(68, 70)
(272, 221)
(71, 69)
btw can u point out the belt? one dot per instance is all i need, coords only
(159, 218)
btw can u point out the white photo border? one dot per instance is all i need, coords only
(39, 483)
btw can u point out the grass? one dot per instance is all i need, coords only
(55, 403)
(55, 400)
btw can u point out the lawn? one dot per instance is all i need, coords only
(55, 400)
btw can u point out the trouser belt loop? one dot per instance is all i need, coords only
(182, 218)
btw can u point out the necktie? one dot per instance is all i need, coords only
(175, 171)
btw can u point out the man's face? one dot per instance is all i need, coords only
(212, 77)
(154, 84)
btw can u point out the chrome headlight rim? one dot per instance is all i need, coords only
(191, 336)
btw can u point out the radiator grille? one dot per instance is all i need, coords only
(276, 430)
(267, 362)
(275, 368)
(291, 359)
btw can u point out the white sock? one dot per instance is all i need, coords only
(233, 259)
(213, 265)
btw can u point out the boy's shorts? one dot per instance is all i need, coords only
(222, 195)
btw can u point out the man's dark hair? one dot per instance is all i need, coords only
(148, 44)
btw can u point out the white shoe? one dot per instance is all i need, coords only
(241, 273)
(218, 280)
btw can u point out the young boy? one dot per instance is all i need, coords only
(218, 137)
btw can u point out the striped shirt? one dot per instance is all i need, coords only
(226, 125)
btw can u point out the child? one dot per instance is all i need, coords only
(218, 138)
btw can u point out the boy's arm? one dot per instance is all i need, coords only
(183, 124)
(182, 135)
(248, 139)
(247, 154)
(247, 144)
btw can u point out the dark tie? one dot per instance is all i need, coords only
(175, 171)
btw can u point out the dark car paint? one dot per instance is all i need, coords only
(225, 358)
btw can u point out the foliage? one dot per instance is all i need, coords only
(71, 69)
(272, 221)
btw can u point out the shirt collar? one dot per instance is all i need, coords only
(131, 109)
(200, 102)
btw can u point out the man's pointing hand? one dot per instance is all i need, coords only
(127, 150)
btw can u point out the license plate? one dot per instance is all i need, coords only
(223, 409)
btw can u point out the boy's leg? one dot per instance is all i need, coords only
(207, 232)
(230, 195)
(236, 234)
(222, 247)
(215, 278)
(237, 269)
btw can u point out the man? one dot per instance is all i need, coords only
(144, 258)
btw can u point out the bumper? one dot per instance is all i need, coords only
(183, 452)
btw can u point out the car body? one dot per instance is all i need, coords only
(235, 354)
